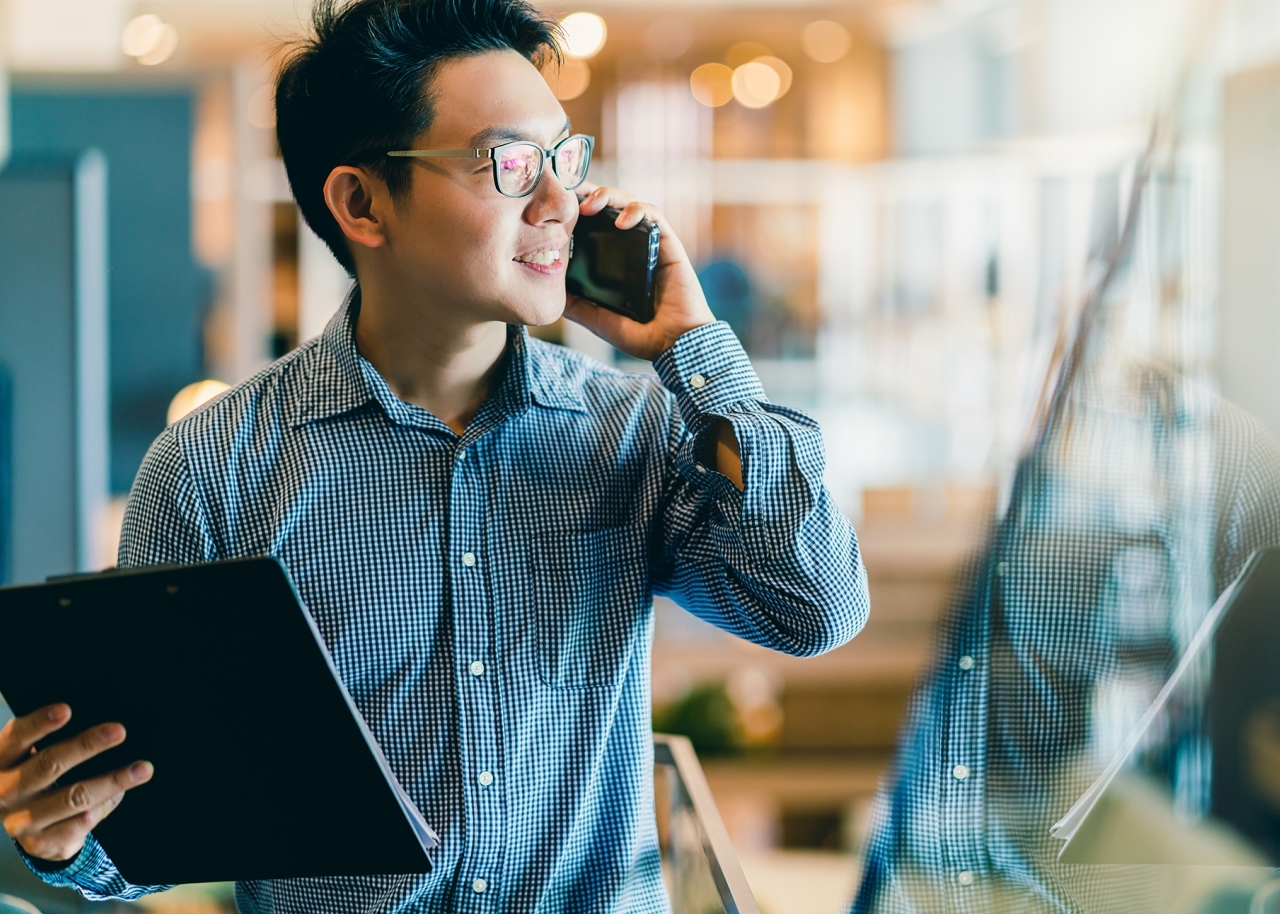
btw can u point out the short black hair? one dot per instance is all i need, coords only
(358, 86)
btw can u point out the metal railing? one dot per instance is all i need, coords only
(701, 867)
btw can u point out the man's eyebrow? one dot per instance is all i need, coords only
(493, 136)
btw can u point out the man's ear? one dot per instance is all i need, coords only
(358, 201)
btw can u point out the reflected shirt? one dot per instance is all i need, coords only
(487, 598)
(1119, 535)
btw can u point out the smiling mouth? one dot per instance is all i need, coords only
(543, 258)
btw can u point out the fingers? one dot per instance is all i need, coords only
(39, 772)
(76, 800)
(64, 840)
(20, 734)
(600, 321)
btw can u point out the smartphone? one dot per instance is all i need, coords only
(614, 267)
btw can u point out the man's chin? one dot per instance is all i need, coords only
(539, 316)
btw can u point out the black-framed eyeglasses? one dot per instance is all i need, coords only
(517, 167)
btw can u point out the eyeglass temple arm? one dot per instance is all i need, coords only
(444, 153)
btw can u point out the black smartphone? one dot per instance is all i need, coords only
(614, 267)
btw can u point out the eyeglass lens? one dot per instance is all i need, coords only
(520, 166)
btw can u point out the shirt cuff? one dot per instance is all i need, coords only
(708, 371)
(65, 872)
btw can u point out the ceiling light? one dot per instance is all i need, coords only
(142, 35)
(712, 84)
(149, 39)
(756, 84)
(584, 34)
(825, 41)
(780, 67)
(192, 397)
(164, 50)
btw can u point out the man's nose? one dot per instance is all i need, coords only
(550, 201)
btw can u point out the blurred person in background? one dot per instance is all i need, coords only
(477, 520)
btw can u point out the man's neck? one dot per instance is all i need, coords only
(430, 357)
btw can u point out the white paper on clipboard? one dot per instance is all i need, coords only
(1066, 827)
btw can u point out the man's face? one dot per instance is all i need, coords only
(453, 235)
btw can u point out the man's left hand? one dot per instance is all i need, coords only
(679, 304)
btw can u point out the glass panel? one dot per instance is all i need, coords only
(699, 864)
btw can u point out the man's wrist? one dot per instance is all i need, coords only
(675, 337)
(709, 373)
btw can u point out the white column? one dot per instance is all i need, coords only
(323, 283)
(92, 364)
(251, 317)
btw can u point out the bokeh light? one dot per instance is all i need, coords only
(779, 66)
(756, 84)
(712, 84)
(825, 41)
(191, 397)
(142, 34)
(570, 79)
(744, 52)
(149, 39)
(584, 34)
(668, 38)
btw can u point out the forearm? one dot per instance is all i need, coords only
(725, 456)
(752, 540)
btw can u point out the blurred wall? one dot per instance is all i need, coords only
(965, 75)
(1249, 321)
(157, 291)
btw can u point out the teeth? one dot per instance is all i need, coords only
(546, 258)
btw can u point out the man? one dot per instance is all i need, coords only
(476, 520)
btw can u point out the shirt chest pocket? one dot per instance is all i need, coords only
(592, 596)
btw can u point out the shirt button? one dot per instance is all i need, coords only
(479, 886)
(697, 382)
(485, 779)
(960, 772)
(476, 668)
(1002, 568)
(701, 468)
(964, 877)
(468, 559)
(966, 663)
(462, 454)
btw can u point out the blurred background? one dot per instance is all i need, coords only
(897, 204)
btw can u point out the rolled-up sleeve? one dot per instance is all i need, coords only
(776, 563)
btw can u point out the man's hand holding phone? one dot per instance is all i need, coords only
(49, 821)
(679, 304)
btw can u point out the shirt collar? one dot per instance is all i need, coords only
(341, 380)
(336, 384)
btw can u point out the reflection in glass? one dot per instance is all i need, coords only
(1137, 499)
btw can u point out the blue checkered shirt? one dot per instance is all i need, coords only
(1120, 533)
(488, 597)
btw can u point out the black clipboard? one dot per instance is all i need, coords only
(264, 768)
